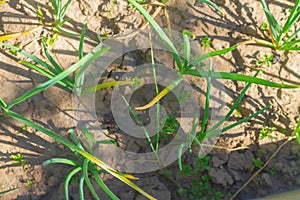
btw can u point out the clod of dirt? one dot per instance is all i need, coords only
(267, 179)
(239, 161)
(127, 195)
(216, 162)
(221, 176)
(156, 188)
(249, 30)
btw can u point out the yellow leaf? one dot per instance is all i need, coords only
(16, 35)
(2, 2)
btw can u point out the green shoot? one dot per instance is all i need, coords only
(257, 162)
(17, 158)
(296, 132)
(266, 132)
(40, 14)
(208, 2)
(265, 61)
(280, 37)
(85, 167)
(264, 27)
(205, 42)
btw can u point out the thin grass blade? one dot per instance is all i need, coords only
(75, 139)
(28, 55)
(217, 132)
(291, 18)
(67, 181)
(160, 32)
(163, 93)
(212, 54)
(67, 33)
(81, 190)
(106, 85)
(87, 180)
(274, 25)
(290, 45)
(233, 107)
(207, 100)
(18, 35)
(57, 69)
(186, 47)
(239, 77)
(63, 82)
(61, 161)
(84, 63)
(64, 9)
(217, 8)
(104, 187)
(9, 190)
(122, 177)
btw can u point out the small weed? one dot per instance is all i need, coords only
(272, 171)
(281, 37)
(265, 61)
(257, 162)
(267, 132)
(17, 158)
(205, 42)
(50, 40)
(264, 27)
(170, 127)
(13, 51)
(237, 111)
(24, 128)
(29, 183)
(199, 187)
(40, 15)
(296, 132)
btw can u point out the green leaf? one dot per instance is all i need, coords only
(160, 32)
(212, 54)
(297, 132)
(212, 5)
(88, 156)
(49, 75)
(87, 180)
(9, 190)
(57, 69)
(206, 109)
(83, 63)
(104, 187)
(61, 161)
(67, 181)
(238, 77)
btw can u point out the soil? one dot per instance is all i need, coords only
(229, 168)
